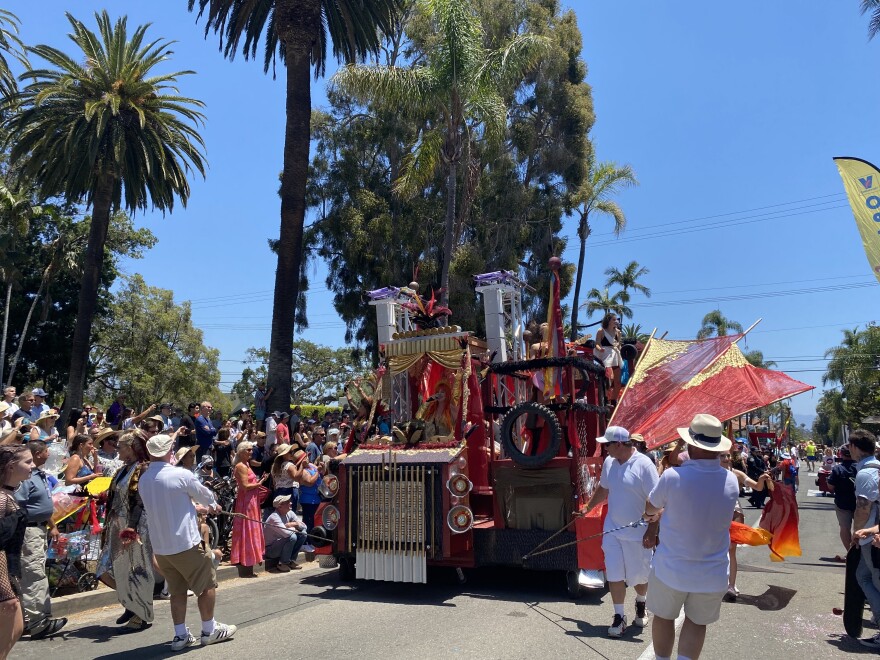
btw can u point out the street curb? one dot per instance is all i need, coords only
(105, 597)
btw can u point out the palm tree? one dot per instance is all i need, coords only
(463, 85)
(756, 359)
(716, 324)
(633, 331)
(99, 127)
(602, 301)
(628, 278)
(296, 32)
(603, 181)
(11, 44)
(872, 7)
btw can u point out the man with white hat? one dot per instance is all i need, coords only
(691, 564)
(168, 493)
(284, 534)
(628, 477)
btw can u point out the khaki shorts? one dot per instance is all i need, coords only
(845, 518)
(666, 602)
(190, 569)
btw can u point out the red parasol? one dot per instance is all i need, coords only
(674, 380)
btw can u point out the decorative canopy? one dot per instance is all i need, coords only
(445, 348)
(675, 380)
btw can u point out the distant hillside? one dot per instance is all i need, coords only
(805, 419)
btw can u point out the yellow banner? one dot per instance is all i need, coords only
(862, 183)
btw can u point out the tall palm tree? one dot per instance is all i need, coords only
(602, 301)
(296, 32)
(872, 7)
(756, 359)
(100, 127)
(628, 278)
(718, 325)
(603, 181)
(11, 45)
(463, 85)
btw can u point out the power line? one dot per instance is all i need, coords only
(723, 215)
(757, 295)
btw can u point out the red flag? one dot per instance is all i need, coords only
(780, 518)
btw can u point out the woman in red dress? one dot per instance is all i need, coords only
(247, 535)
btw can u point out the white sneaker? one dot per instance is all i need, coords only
(180, 643)
(641, 619)
(618, 626)
(221, 633)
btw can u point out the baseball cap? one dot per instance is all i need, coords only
(160, 445)
(39, 391)
(281, 499)
(614, 434)
(333, 432)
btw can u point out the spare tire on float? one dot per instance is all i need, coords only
(550, 444)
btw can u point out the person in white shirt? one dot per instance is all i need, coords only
(40, 406)
(284, 534)
(271, 427)
(9, 398)
(168, 493)
(691, 564)
(628, 477)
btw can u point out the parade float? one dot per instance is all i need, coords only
(470, 452)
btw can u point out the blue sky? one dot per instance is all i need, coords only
(730, 114)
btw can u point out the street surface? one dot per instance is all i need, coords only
(785, 611)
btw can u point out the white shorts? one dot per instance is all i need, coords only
(626, 561)
(666, 602)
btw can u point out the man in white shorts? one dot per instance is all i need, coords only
(691, 564)
(628, 477)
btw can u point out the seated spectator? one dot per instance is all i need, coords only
(285, 534)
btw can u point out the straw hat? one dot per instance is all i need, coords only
(282, 449)
(102, 435)
(183, 451)
(705, 432)
(46, 414)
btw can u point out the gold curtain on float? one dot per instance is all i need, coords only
(444, 350)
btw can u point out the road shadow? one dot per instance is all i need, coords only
(772, 600)
(849, 645)
(495, 584)
(99, 634)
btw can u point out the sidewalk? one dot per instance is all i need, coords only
(103, 596)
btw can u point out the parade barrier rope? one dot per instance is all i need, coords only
(641, 522)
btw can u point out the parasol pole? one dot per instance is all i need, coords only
(749, 329)
(629, 382)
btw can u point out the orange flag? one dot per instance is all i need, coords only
(744, 535)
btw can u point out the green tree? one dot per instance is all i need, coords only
(855, 368)
(109, 132)
(603, 182)
(148, 348)
(830, 417)
(628, 278)
(461, 83)
(715, 324)
(756, 359)
(633, 331)
(872, 7)
(44, 307)
(318, 378)
(515, 220)
(297, 32)
(10, 46)
(602, 301)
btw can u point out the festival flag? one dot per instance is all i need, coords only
(861, 180)
(555, 343)
(780, 518)
(676, 379)
(742, 534)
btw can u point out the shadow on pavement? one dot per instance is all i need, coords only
(847, 644)
(772, 600)
(496, 584)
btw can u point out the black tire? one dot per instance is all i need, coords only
(346, 569)
(213, 533)
(551, 426)
(87, 582)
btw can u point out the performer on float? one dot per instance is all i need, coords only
(607, 350)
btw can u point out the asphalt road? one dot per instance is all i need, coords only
(785, 611)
